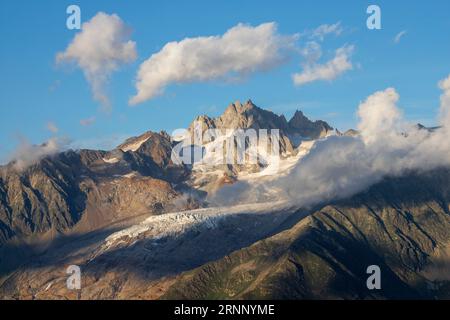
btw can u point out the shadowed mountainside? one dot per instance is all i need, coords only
(65, 208)
(92, 188)
(401, 225)
(87, 188)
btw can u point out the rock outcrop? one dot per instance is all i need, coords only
(56, 192)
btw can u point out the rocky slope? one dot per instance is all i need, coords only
(263, 251)
(401, 225)
(136, 262)
(130, 218)
(84, 190)
(240, 116)
(249, 116)
(301, 126)
(54, 194)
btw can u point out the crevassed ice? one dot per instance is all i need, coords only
(173, 224)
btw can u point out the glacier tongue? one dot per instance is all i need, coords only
(176, 224)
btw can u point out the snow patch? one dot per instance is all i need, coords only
(111, 160)
(280, 167)
(134, 146)
(49, 285)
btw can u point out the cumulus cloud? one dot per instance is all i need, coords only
(27, 154)
(325, 29)
(100, 48)
(399, 35)
(241, 51)
(51, 126)
(311, 52)
(379, 115)
(313, 71)
(339, 167)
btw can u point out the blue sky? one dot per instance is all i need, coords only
(34, 91)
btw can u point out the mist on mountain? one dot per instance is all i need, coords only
(341, 166)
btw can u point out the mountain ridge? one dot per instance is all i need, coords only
(54, 192)
(87, 207)
(387, 225)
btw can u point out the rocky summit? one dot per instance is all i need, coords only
(141, 226)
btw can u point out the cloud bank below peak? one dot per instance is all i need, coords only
(27, 154)
(339, 167)
(240, 51)
(101, 47)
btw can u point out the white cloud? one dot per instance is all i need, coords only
(379, 115)
(99, 49)
(339, 167)
(242, 50)
(313, 71)
(52, 127)
(27, 154)
(399, 36)
(311, 52)
(325, 29)
(87, 122)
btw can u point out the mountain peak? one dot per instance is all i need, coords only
(248, 115)
(298, 116)
(250, 103)
(238, 107)
(300, 124)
